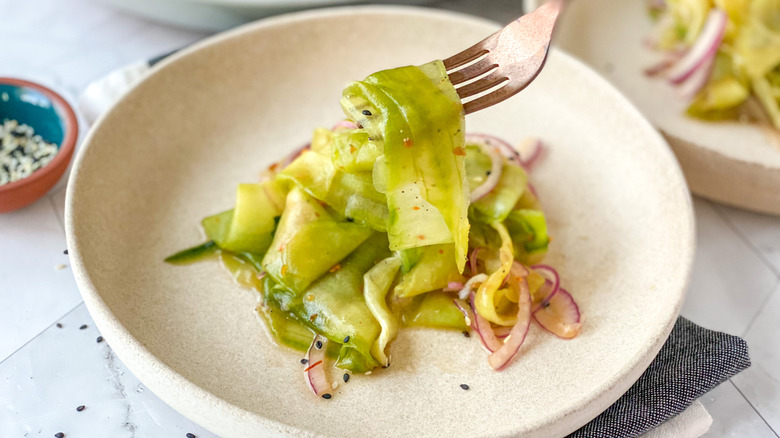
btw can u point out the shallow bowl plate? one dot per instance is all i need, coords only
(172, 151)
(728, 162)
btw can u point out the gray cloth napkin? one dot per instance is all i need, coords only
(692, 361)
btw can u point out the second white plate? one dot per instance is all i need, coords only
(728, 162)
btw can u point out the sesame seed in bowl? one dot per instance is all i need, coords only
(38, 132)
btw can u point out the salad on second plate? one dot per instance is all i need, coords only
(393, 218)
(723, 55)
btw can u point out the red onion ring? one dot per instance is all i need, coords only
(538, 148)
(314, 373)
(453, 286)
(502, 332)
(491, 140)
(561, 316)
(501, 357)
(468, 287)
(496, 166)
(293, 155)
(555, 283)
(483, 329)
(704, 48)
(697, 81)
(473, 260)
(347, 124)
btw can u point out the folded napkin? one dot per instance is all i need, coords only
(692, 361)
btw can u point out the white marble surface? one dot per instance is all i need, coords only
(47, 371)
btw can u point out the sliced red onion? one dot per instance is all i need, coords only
(501, 357)
(314, 373)
(704, 48)
(553, 279)
(469, 286)
(502, 332)
(483, 329)
(561, 315)
(473, 260)
(496, 166)
(533, 190)
(491, 140)
(293, 155)
(347, 124)
(536, 152)
(453, 286)
(697, 81)
(663, 65)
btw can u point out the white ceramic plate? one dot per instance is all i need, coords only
(173, 150)
(727, 162)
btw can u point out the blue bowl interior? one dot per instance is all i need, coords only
(31, 107)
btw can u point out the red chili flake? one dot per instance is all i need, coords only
(408, 142)
(284, 269)
(310, 297)
(281, 247)
(335, 268)
(415, 208)
(352, 149)
(313, 317)
(421, 237)
(459, 151)
(441, 251)
(312, 365)
(273, 167)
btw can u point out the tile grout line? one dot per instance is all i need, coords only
(753, 407)
(761, 256)
(43, 331)
(775, 290)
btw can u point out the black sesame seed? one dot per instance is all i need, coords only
(466, 334)
(83, 327)
(366, 112)
(80, 408)
(59, 435)
(65, 252)
(487, 173)
(319, 345)
(304, 361)
(190, 435)
(99, 339)
(464, 387)
(326, 396)
(349, 219)
(59, 325)
(346, 339)
(346, 377)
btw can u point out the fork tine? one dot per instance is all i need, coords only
(515, 55)
(465, 56)
(481, 85)
(474, 70)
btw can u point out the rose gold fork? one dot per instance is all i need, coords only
(506, 61)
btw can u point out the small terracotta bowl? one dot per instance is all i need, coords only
(54, 120)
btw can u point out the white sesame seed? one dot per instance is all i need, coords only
(22, 152)
(60, 267)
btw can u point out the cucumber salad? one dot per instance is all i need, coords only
(393, 218)
(723, 55)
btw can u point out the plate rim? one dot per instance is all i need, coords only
(155, 374)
